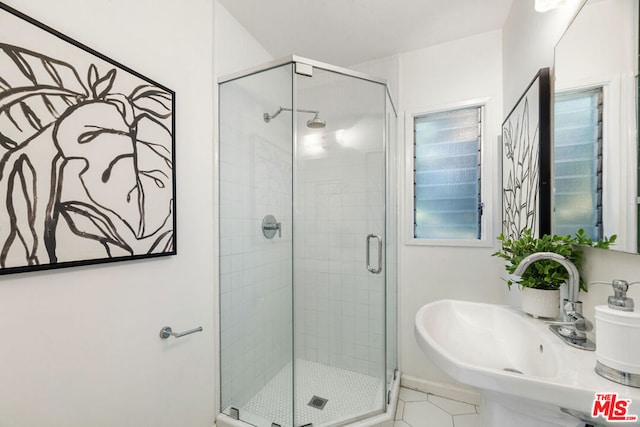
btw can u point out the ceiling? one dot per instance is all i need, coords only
(349, 32)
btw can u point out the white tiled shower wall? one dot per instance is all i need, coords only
(255, 272)
(340, 315)
(339, 200)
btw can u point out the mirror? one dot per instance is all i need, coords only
(595, 149)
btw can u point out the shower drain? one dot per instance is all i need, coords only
(317, 402)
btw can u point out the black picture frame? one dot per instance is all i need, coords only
(87, 154)
(526, 161)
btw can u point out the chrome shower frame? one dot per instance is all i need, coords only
(304, 66)
(302, 60)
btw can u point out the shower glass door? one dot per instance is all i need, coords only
(307, 246)
(255, 255)
(338, 248)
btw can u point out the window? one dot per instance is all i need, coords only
(447, 202)
(578, 162)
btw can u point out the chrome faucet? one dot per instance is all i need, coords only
(573, 327)
(573, 284)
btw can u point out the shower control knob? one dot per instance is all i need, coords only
(270, 226)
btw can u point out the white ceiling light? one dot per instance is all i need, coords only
(545, 5)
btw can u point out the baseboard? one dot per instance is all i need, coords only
(450, 391)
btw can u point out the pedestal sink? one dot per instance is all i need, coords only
(526, 375)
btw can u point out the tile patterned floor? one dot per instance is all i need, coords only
(417, 409)
(350, 395)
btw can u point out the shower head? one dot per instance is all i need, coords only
(314, 123)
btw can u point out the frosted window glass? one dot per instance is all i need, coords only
(447, 174)
(578, 162)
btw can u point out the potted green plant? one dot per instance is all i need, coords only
(541, 282)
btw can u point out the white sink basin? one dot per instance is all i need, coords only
(513, 358)
(459, 332)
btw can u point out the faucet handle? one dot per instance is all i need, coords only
(576, 324)
(572, 306)
(573, 322)
(579, 322)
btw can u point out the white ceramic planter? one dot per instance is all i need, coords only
(541, 302)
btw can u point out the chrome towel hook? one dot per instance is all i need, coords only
(166, 332)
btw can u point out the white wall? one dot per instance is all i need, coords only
(235, 49)
(81, 345)
(387, 68)
(433, 78)
(529, 38)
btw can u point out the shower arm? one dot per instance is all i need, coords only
(267, 117)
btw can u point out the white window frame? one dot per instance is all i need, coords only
(488, 171)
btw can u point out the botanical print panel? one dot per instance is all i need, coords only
(86, 154)
(526, 161)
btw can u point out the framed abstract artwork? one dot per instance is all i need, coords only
(87, 164)
(526, 161)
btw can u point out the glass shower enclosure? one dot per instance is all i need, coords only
(308, 245)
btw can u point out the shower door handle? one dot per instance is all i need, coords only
(369, 267)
